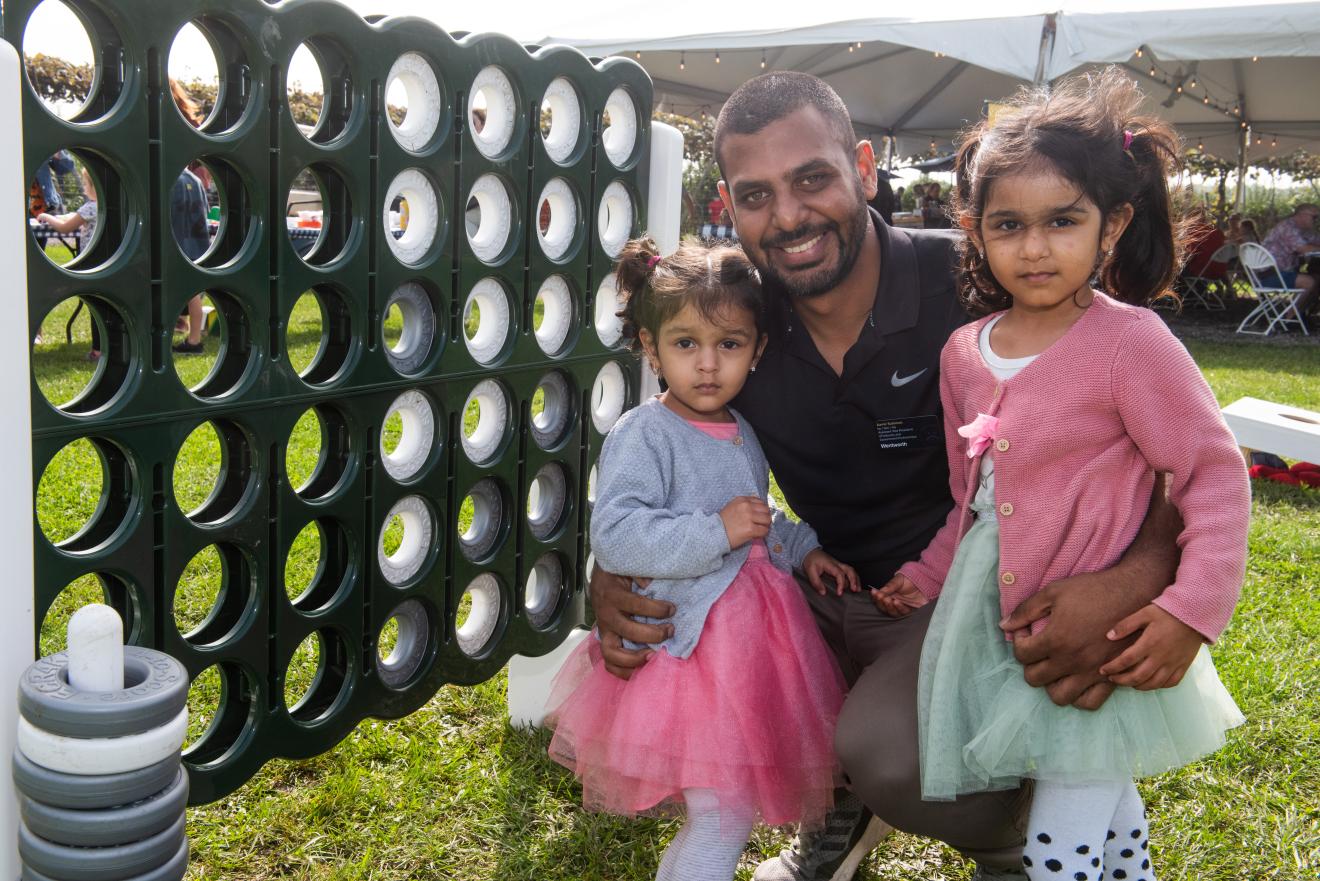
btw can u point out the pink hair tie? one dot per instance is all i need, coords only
(651, 261)
(1127, 139)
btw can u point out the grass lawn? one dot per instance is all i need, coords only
(452, 793)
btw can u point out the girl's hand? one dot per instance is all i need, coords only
(899, 597)
(817, 563)
(45, 218)
(746, 518)
(1159, 657)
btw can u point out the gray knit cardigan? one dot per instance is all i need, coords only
(660, 486)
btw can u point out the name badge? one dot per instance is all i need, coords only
(912, 433)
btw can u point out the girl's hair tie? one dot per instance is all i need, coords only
(652, 261)
(1127, 139)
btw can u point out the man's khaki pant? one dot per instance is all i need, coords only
(876, 739)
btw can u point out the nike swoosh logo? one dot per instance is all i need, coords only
(897, 380)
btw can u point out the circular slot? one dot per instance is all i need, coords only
(404, 644)
(412, 216)
(315, 676)
(220, 709)
(547, 500)
(212, 352)
(319, 335)
(319, 215)
(209, 213)
(481, 521)
(486, 419)
(492, 112)
(61, 63)
(545, 589)
(209, 95)
(405, 540)
(77, 211)
(318, 453)
(317, 565)
(620, 127)
(552, 315)
(609, 326)
(486, 321)
(85, 495)
(413, 102)
(552, 409)
(212, 595)
(609, 396)
(615, 219)
(557, 219)
(82, 355)
(561, 120)
(319, 90)
(478, 614)
(488, 217)
(405, 453)
(214, 471)
(86, 590)
(409, 330)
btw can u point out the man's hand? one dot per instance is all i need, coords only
(614, 603)
(899, 597)
(1065, 658)
(1160, 656)
(817, 563)
(746, 518)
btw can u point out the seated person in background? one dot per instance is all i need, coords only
(1249, 233)
(1290, 239)
(1203, 240)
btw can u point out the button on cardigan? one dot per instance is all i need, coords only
(1082, 431)
(661, 484)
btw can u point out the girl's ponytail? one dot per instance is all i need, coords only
(1147, 256)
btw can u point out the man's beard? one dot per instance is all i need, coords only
(820, 280)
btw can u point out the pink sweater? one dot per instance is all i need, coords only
(1082, 431)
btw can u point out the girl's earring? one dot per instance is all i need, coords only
(1109, 253)
(753, 370)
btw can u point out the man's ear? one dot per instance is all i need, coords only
(864, 157)
(725, 197)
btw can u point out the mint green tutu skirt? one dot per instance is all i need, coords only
(982, 727)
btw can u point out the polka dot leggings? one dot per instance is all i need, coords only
(1087, 832)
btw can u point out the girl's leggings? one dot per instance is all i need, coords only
(1087, 832)
(709, 844)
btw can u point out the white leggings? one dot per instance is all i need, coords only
(1087, 832)
(709, 844)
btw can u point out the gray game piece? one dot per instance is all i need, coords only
(89, 791)
(100, 863)
(155, 691)
(108, 826)
(174, 870)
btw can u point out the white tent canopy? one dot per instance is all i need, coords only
(923, 75)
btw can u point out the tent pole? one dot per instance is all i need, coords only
(1239, 198)
(891, 145)
(1047, 32)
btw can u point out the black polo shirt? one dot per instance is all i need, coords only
(861, 456)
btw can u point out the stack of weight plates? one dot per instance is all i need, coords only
(101, 787)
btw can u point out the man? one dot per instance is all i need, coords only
(845, 401)
(1288, 242)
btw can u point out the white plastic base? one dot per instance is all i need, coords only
(530, 678)
(1275, 428)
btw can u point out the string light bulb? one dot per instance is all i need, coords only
(1193, 83)
(1205, 100)
(682, 61)
(1180, 90)
(762, 59)
(1200, 145)
(859, 44)
(1274, 141)
(1152, 70)
(1255, 58)
(638, 55)
(851, 47)
(1138, 51)
(717, 58)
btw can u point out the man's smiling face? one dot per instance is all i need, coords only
(798, 200)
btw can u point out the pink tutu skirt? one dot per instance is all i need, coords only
(749, 714)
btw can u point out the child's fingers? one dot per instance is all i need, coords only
(1137, 676)
(854, 583)
(817, 583)
(1131, 624)
(1126, 660)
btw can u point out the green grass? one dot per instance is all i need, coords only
(452, 793)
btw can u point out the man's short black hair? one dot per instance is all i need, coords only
(772, 96)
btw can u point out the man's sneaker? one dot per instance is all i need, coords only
(985, 873)
(832, 853)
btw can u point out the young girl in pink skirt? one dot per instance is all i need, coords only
(732, 719)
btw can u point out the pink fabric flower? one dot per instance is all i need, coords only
(979, 433)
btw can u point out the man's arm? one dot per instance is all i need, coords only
(615, 604)
(1065, 658)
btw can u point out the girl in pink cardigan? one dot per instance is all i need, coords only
(1060, 405)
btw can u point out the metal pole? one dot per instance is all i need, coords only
(16, 625)
(1047, 32)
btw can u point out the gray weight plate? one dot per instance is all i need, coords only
(100, 863)
(155, 690)
(108, 826)
(174, 870)
(90, 791)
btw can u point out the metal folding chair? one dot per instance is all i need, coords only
(1275, 301)
(1204, 291)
